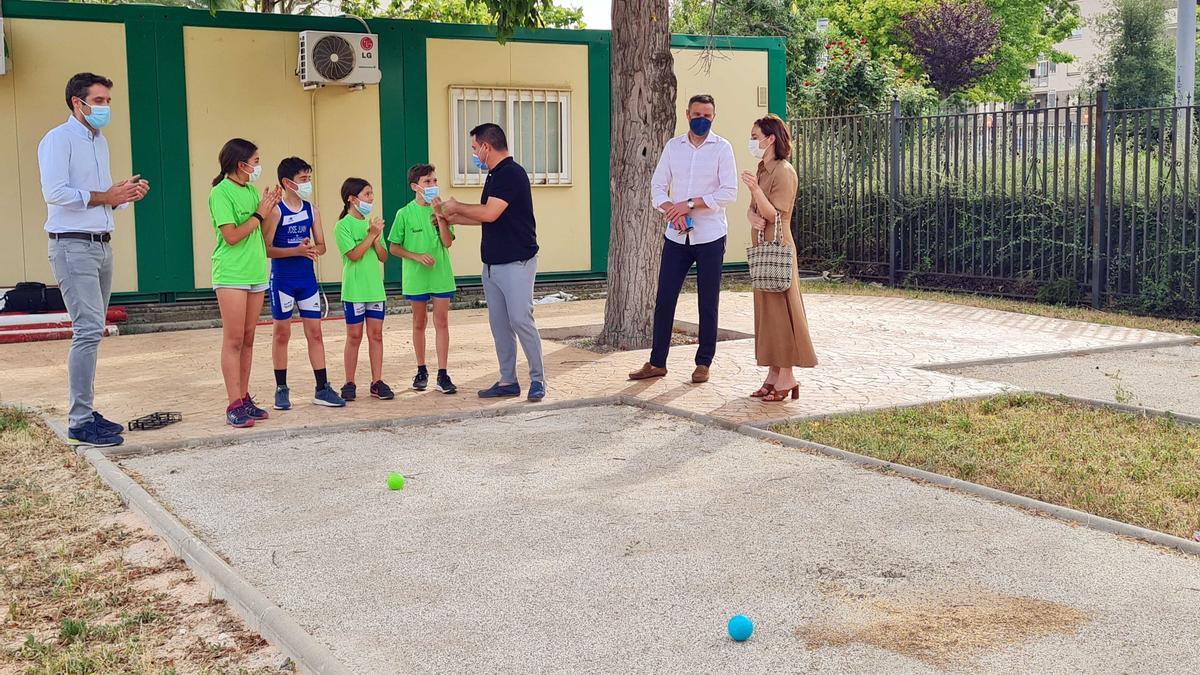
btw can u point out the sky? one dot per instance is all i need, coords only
(596, 13)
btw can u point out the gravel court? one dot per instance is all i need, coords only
(610, 539)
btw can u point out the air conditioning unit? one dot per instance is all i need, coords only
(347, 59)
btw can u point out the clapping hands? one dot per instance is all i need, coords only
(269, 200)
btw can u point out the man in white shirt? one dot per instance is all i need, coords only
(80, 197)
(696, 178)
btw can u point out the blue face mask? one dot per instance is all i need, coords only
(479, 163)
(700, 125)
(430, 193)
(100, 116)
(365, 208)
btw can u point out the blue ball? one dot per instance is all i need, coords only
(740, 628)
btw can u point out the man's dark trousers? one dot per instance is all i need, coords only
(677, 260)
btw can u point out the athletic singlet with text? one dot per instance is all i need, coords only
(294, 227)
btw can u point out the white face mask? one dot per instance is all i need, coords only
(304, 190)
(255, 173)
(757, 150)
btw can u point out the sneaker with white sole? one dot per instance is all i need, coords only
(283, 400)
(327, 397)
(445, 386)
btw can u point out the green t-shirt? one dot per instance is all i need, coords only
(414, 230)
(362, 279)
(246, 261)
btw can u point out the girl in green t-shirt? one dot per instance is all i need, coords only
(361, 244)
(239, 269)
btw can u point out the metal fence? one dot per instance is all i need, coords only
(1072, 201)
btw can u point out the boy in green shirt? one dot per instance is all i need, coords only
(422, 238)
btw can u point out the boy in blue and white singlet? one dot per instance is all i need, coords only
(294, 239)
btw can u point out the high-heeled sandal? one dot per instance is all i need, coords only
(779, 395)
(763, 391)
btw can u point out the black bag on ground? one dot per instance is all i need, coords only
(33, 297)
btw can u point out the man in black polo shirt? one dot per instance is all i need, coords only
(509, 251)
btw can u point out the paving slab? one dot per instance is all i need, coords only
(611, 539)
(1165, 379)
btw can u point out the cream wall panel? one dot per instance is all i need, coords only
(12, 257)
(733, 80)
(242, 83)
(45, 54)
(563, 213)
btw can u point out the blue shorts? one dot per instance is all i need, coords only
(357, 312)
(289, 294)
(426, 297)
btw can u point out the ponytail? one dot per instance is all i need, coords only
(233, 153)
(350, 188)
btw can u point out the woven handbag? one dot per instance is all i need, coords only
(770, 262)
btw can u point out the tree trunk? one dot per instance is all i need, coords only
(643, 119)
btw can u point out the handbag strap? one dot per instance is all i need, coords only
(760, 238)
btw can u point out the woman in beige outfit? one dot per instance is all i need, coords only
(781, 340)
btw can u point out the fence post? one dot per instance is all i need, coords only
(894, 190)
(1100, 200)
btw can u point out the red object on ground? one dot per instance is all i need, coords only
(115, 315)
(43, 334)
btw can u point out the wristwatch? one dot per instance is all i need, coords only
(257, 217)
(691, 204)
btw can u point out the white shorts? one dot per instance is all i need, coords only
(249, 288)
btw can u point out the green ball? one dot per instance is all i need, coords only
(395, 481)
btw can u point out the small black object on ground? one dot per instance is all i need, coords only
(156, 420)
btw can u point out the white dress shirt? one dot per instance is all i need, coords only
(686, 172)
(74, 163)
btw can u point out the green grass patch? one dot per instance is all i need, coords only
(13, 420)
(1073, 313)
(1139, 470)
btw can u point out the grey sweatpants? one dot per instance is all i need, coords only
(84, 273)
(508, 290)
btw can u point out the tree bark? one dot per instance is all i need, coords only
(643, 119)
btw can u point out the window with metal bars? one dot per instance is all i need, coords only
(536, 121)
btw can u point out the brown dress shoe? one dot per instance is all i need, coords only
(700, 375)
(647, 372)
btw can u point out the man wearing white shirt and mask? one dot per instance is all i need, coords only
(80, 198)
(696, 178)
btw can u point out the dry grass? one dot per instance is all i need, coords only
(948, 631)
(86, 589)
(1139, 470)
(1002, 304)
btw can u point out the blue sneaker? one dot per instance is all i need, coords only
(282, 400)
(537, 391)
(93, 435)
(253, 410)
(107, 425)
(501, 391)
(327, 397)
(238, 416)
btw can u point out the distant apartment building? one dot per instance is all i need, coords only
(1059, 83)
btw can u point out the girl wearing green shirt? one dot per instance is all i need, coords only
(361, 244)
(239, 269)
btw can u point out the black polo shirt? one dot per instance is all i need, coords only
(513, 237)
